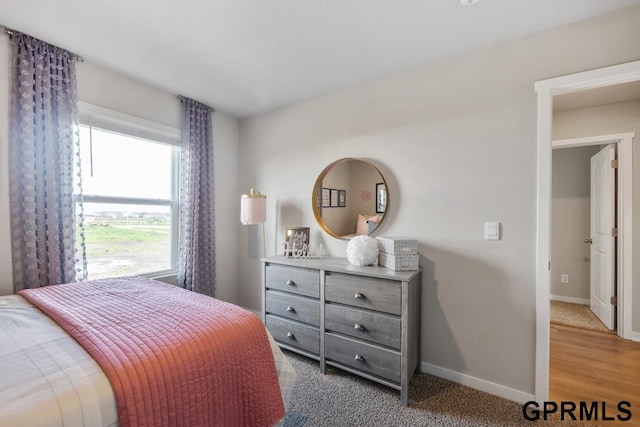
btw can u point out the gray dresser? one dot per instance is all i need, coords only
(365, 320)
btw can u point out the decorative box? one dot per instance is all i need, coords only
(398, 245)
(398, 262)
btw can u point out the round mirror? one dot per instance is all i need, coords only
(350, 198)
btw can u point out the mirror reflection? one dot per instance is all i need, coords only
(350, 198)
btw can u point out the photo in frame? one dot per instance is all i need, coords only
(297, 237)
(381, 197)
(334, 198)
(342, 198)
(326, 198)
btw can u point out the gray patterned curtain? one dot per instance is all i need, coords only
(44, 148)
(196, 261)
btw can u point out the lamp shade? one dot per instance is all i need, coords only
(253, 208)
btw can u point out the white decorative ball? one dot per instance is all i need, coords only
(362, 250)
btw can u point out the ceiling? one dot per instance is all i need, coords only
(246, 57)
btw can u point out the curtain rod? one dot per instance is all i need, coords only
(8, 31)
(213, 110)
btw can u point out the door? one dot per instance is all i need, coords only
(603, 242)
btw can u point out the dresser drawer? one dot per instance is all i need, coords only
(294, 333)
(365, 292)
(297, 280)
(365, 357)
(294, 307)
(371, 326)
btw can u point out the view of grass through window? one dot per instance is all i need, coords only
(127, 188)
(126, 242)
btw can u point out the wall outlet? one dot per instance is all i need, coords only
(564, 278)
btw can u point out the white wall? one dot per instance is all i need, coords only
(456, 142)
(604, 120)
(570, 217)
(227, 205)
(102, 87)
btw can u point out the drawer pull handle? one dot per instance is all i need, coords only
(359, 295)
(291, 336)
(359, 358)
(291, 309)
(359, 327)
(291, 282)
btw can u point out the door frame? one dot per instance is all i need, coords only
(624, 210)
(547, 89)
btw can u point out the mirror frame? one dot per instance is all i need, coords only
(318, 186)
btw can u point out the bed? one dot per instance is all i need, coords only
(136, 352)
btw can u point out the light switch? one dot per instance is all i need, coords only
(492, 231)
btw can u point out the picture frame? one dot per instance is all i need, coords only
(326, 198)
(334, 198)
(298, 236)
(342, 198)
(381, 197)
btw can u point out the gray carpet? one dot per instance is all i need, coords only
(342, 399)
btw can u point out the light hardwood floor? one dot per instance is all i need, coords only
(594, 366)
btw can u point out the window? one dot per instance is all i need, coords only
(130, 191)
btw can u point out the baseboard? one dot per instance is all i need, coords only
(570, 299)
(635, 336)
(477, 383)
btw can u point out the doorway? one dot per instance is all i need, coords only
(546, 90)
(584, 263)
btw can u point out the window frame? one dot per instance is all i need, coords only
(132, 126)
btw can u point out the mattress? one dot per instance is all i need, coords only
(48, 379)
